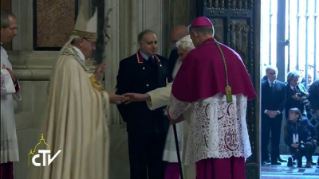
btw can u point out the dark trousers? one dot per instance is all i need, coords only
(272, 125)
(6, 170)
(307, 151)
(146, 156)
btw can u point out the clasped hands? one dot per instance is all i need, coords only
(14, 79)
(127, 97)
(272, 114)
(135, 97)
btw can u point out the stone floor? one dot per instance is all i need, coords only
(282, 171)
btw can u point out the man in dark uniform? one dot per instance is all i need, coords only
(140, 73)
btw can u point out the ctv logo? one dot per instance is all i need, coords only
(45, 154)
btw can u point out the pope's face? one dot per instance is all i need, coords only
(87, 47)
(8, 33)
(148, 45)
(182, 53)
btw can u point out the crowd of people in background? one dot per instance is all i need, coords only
(298, 100)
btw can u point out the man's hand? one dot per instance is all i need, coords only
(295, 145)
(12, 76)
(116, 99)
(315, 142)
(178, 120)
(99, 70)
(272, 114)
(131, 97)
(317, 112)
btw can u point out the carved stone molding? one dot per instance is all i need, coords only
(32, 65)
(35, 65)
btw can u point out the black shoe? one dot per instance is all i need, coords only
(268, 161)
(264, 163)
(289, 163)
(275, 163)
(281, 160)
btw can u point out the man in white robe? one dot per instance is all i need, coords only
(77, 116)
(9, 87)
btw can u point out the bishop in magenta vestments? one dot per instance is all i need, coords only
(215, 81)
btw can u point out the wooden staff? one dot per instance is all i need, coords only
(177, 152)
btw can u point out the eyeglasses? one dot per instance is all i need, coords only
(92, 43)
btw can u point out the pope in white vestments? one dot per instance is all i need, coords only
(77, 116)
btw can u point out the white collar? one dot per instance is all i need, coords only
(293, 87)
(82, 58)
(271, 82)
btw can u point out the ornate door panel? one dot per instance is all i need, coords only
(237, 24)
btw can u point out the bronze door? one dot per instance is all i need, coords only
(237, 24)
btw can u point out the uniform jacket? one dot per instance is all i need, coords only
(136, 76)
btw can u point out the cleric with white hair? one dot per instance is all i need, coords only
(184, 45)
(160, 97)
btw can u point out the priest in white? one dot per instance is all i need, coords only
(77, 116)
(9, 87)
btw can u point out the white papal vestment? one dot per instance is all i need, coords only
(161, 97)
(8, 138)
(76, 122)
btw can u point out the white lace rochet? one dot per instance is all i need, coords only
(217, 130)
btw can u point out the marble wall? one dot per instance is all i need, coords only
(33, 68)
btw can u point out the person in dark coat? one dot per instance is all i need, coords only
(314, 96)
(296, 94)
(273, 101)
(314, 102)
(147, 129)
(300, 137)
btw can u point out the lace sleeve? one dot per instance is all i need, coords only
(176, 107)
(2, 86)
